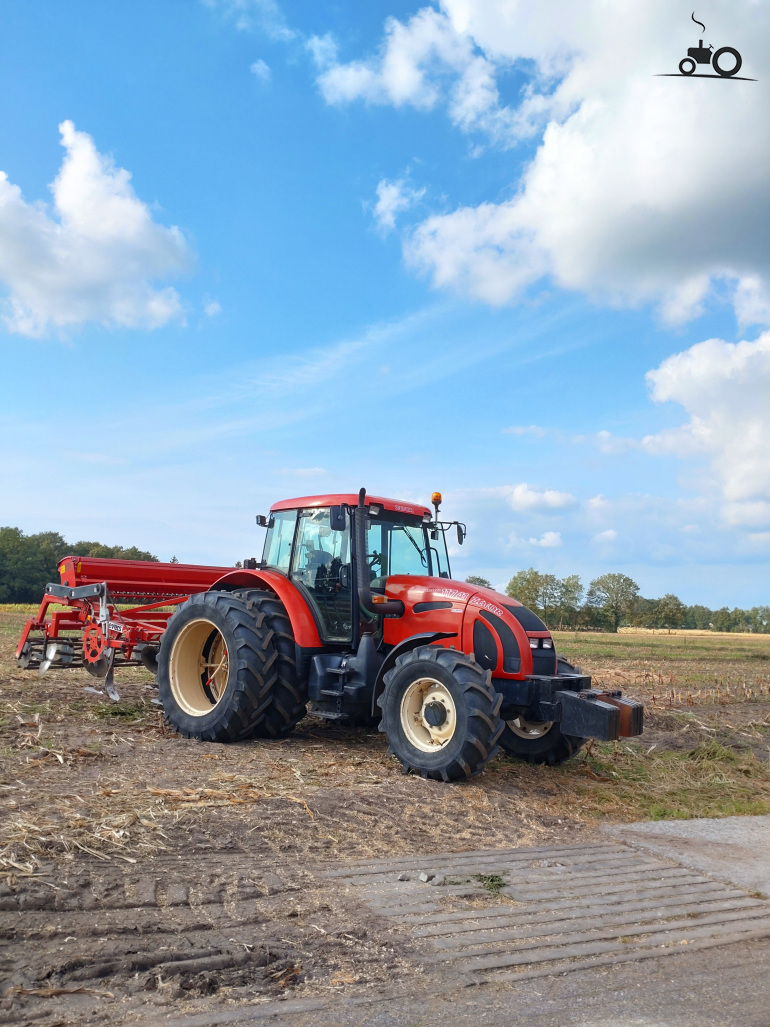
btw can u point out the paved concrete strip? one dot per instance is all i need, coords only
(620, 921)
(523, 865)
(628, 957)
(662, 876)
(541, 955)
(577, 903)
(530, 924)
(602, 932)
(586, 883)
(464, 858)
(398, 911)
(576, 907)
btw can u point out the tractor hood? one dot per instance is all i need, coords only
(504, 636)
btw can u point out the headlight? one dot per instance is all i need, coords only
(547, 643)
(534, 643)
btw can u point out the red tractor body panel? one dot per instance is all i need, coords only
(302, 622)
(438, 604)
(349, 499)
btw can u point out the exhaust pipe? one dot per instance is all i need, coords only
(368, 601)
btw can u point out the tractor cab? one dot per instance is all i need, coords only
(313, 542)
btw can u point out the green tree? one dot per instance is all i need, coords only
(548, 593)
(671, 612)
(644, 613)
(476, 579)
(613, 594)
(698, 617)
(722, 620)
(570, 597)
(102, 552)
(29, 562)
(759, 619)
(525, 586)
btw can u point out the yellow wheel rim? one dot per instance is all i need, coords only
(199, 666)
(529, 729)
(428, 714)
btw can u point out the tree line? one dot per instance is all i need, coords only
(29, 562)
(614, 600)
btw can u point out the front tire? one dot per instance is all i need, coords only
(541, 741)
(217, 668)
(440, 713)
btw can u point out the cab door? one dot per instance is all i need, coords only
(321, 569)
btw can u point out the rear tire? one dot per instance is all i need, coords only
(541, 741)
(440, 713)
(217, 668)
(289, 702)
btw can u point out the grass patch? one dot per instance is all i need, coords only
(123, 710)
(493, 883)
(629, 782)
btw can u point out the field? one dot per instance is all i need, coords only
(87, 782)
(82, 772)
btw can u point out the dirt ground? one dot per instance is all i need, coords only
(183, 871)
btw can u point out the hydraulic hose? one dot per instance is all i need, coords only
(365, 596)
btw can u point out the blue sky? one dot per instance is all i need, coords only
(250, 251)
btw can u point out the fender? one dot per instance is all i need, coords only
(303, 625)
(398, 650)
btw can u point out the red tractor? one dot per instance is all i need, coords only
(351, 615)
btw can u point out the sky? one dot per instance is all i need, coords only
(256, 249)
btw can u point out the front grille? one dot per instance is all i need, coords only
(543, 661)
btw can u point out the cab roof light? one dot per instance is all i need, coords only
(374, 509)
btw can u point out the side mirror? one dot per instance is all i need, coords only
(460, 534)
(338, 519)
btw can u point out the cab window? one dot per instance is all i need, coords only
(279, 538)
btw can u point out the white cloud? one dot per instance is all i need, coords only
(725, 389)
(95, 259)
(323, 50)
(627, 199)
(248, 15)
(261, 70)
(393, 197)
(524, 498)
(548, 540)
(606, 536)
(211, 308)
(530, 429)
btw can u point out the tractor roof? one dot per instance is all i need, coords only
(351, 499)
